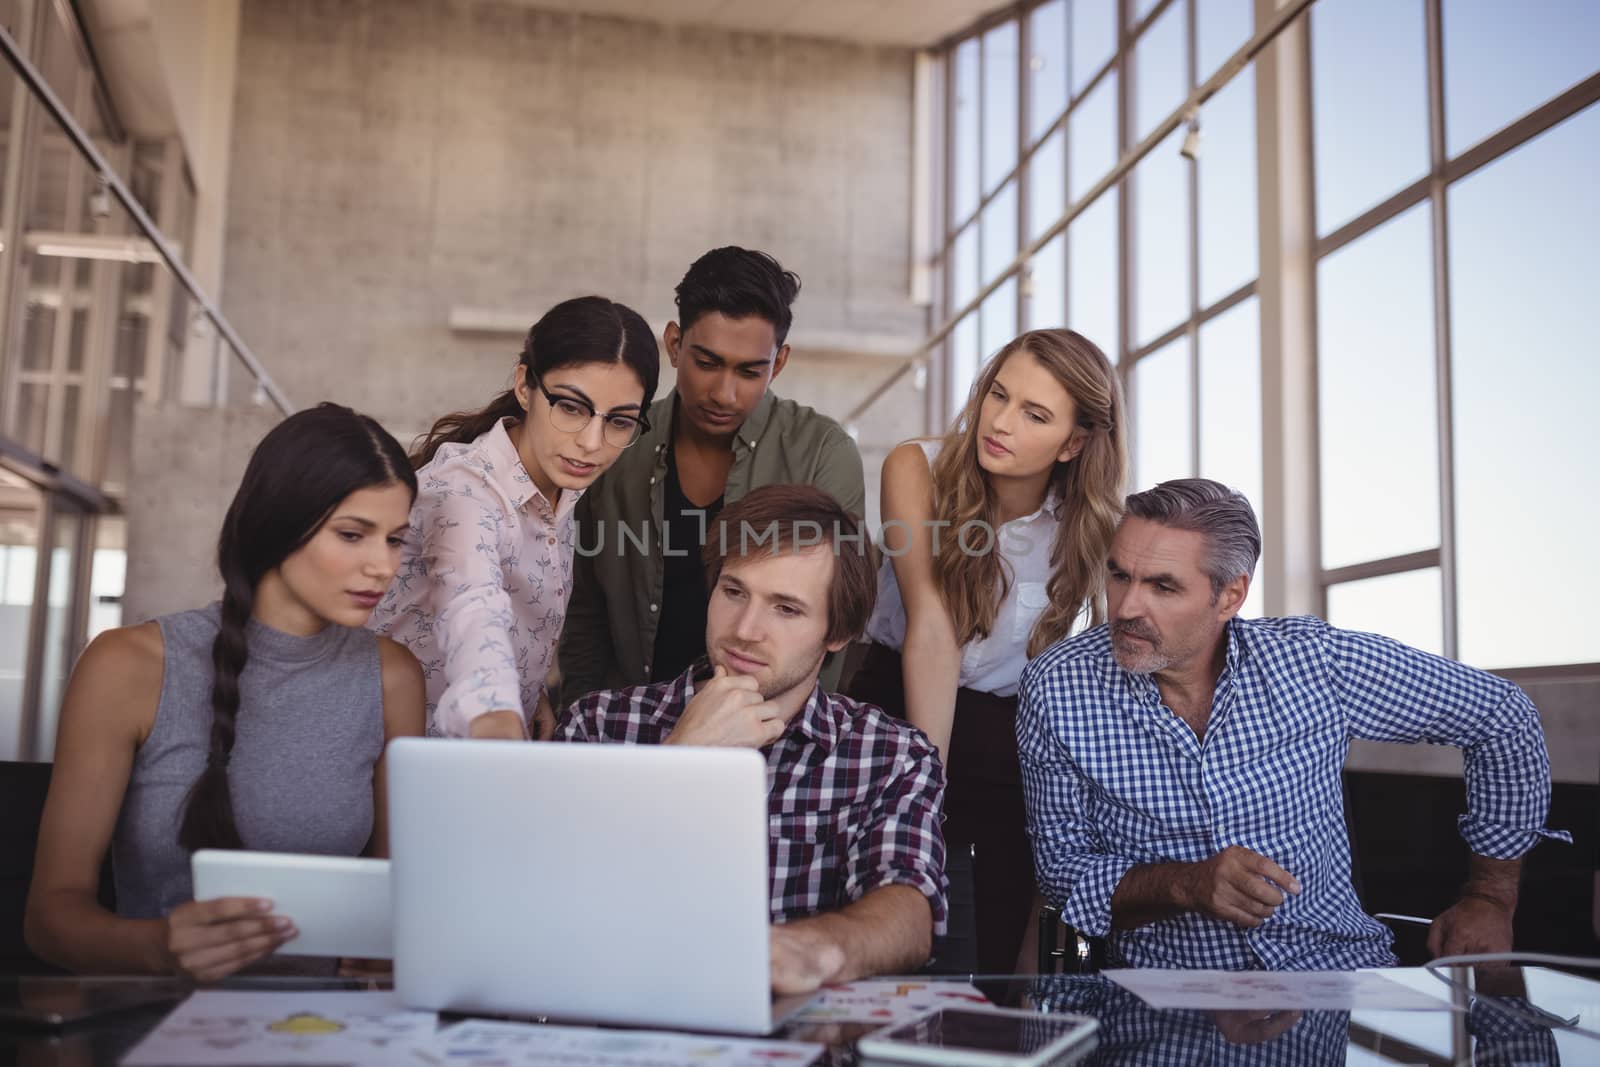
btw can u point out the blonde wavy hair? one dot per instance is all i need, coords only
(1089, 488)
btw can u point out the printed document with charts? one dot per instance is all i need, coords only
(373, 1029)
(1242, 990)
(236, 1029)
(496, 1044)
(886, 1000)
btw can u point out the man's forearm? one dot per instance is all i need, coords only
(1481, 921)
(1237, 885)
(1496, 881)
(887, 931)
(1149, 893)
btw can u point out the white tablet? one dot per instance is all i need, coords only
(983, 1037)
(339, 904)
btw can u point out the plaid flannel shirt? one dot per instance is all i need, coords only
(1114, 779)
(854, 797)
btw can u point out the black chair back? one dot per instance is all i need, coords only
(956, 952)
(1063, 949)
(23, 787)
(1356, 881)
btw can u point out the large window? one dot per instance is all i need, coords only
(1379, 402)
(1454, 235)
(1455, 148)
(1525, 235)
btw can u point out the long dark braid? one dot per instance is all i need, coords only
(208, 820)
(297, 476)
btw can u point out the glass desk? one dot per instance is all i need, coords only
(1516, 1016)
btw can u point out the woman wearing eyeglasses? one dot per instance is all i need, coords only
(482, 590)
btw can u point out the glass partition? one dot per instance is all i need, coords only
(98, 316)
(21, 513)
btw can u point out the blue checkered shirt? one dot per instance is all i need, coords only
(1114, 779)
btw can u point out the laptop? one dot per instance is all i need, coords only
(585, 882)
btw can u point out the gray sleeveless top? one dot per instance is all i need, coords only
(309, 731)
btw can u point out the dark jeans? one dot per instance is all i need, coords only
(982, 803)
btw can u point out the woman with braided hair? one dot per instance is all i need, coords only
(258, 722)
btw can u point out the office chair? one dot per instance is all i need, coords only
(1063, 949)
(22, 791)
(956, 952)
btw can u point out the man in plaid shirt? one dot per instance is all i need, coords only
(1182, 765)
(856, 854)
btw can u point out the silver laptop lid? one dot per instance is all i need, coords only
(598, 882)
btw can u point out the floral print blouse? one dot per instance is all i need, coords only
(483, 584)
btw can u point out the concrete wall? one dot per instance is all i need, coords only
(393, 159)
(187, 462)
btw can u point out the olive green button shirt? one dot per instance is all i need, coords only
(618, 572)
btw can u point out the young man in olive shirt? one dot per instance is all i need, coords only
(638, 608)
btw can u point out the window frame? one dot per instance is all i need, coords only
(1297, 580)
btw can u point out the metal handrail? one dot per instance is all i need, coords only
(1198, 96)
(41, 89)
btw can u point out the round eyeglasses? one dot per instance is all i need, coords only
(569, 414)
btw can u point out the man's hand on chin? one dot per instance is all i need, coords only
(804, 958)
(728, 712)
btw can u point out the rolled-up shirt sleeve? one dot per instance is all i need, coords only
(1392, 692)
(1076, 871)
(464, 531)
(902, 843)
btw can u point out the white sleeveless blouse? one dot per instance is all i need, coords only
(992, 664)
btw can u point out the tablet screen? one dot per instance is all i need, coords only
(983, 1031)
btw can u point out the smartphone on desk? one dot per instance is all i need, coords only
(983, 1037)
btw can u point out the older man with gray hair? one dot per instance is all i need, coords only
(1181, 764)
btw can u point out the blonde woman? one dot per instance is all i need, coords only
(995, 540)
